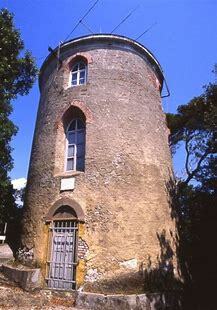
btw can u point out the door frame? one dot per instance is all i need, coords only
(59, 231)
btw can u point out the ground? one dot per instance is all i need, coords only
(13, 297)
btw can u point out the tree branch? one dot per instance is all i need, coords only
(187, 156)
(193, 173)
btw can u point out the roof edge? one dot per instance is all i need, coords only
(102, 36)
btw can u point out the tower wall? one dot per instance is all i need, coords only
(123, 191)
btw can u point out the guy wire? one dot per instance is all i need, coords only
(87, 27)
(125, 18)
(80, 21)
(145, 31)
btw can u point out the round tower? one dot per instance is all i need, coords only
(97, 206)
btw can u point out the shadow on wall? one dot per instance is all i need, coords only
(195, 215)
(163, 278)
(14, 228)
(155, 279)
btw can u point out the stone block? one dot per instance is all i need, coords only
(153, 301)
(6, 253)
(28, 279)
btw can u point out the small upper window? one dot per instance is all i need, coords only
(78, 74)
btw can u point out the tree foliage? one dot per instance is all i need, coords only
(194, 126)
(17, 75)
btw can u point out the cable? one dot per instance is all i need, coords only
(87, 27)
(125, 18)
(80, 21)
(146, 31)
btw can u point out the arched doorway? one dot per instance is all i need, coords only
(62, 248)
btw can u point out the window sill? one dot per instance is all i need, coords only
(78, 85)
(69, 174)
(81, 87)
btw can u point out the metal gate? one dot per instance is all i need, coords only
(62, 263)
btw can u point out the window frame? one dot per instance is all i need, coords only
(78, 73)
(75, 144)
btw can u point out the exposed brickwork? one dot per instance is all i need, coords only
(71, 59)
(68, 62)
(82, 248)
(79, 104)
(123, 191)
(65, 202)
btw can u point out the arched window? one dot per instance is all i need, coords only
(75, 136)
(79, 73)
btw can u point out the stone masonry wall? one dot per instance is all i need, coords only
(123, 191)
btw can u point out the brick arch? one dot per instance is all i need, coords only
(85, 56)
(65, 202)
(84, 110)
(83, 107)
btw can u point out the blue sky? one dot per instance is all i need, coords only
(184, 40)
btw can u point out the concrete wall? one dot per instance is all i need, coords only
(123, 191)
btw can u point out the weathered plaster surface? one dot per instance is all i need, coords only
(123, 191)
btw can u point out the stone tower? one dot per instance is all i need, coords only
(97, 201)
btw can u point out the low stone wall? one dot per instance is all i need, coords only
(155, 301)
(28, 279)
